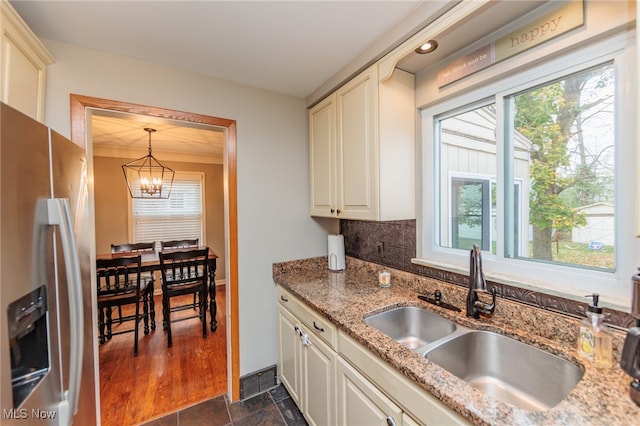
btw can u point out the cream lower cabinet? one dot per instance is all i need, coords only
(361, 403)
(318, 386)
(335, 380)
(307, 369)
(290, 349)
(408, 421)
(417, 406)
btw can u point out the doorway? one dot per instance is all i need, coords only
(81, 135)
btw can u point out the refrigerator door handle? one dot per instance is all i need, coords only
(58, 213)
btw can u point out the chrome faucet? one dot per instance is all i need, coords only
(475, 306)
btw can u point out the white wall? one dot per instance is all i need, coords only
(273, 178)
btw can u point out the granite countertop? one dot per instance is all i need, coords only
(345, 298)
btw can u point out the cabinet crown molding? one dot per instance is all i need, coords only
(24, 32)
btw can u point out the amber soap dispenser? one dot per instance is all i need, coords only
(594, 340)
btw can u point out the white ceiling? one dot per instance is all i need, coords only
(118, 134)
(290, 47)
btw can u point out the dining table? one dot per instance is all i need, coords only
(150, 262)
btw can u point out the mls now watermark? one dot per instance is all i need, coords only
(23, 413)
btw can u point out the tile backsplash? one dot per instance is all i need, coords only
(393, 244)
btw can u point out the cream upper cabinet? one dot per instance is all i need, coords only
(322, 148)
(362, 149)
(22, 65)
(357, 113)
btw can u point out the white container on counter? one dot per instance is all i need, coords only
(336, 252)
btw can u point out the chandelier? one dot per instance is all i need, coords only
(147, 177)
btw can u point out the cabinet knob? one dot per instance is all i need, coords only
(332, 210)
(284, 299)
(317, 327)
(391, 421)
(338, 211)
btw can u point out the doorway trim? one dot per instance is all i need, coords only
(79, 104)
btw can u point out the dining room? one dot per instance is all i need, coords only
(174, 366)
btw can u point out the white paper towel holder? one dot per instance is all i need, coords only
(335, 251)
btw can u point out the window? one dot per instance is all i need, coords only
(176, 218)
(527, 168)
(569, 124)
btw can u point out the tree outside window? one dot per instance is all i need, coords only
(570, 124)
(561, 200)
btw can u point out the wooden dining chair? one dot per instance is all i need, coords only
(176, 244)
(184, 272)
(148, 277)
(213, 306)
(119, 283)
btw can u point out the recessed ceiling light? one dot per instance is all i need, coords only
(427, 47)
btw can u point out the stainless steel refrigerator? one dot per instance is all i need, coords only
(48, 361)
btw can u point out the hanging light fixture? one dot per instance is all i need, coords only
(147, 177)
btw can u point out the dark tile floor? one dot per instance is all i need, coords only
(274, 407)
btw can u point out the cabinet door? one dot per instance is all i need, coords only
(290, 348)
(408, 421)
(319, 363)
(23, 65)
(361, 403)
(322, 155)
(357, 118)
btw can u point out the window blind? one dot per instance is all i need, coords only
(176, 218)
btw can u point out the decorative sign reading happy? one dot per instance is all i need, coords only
(549, 26)
(544, 29)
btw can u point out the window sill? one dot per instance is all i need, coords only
(610, 302)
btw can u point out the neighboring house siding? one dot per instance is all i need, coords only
(600, 225)
(468, 148)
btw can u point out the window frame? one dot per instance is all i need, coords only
(179, 175)
(567, 281)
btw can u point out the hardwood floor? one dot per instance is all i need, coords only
(162, 380)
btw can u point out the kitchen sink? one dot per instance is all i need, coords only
(508, 370)
(411, 326)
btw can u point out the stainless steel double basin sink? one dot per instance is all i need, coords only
(501, 367)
